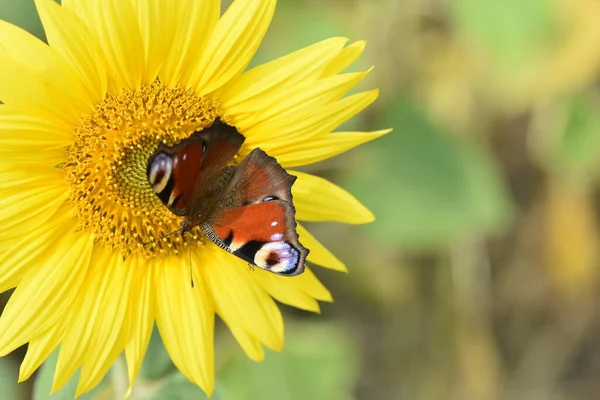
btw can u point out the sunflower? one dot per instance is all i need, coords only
(79, 118)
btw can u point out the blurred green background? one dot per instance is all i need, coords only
(479, 279)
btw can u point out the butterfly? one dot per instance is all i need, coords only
(246, 209)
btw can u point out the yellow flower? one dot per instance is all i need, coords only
(79, 119)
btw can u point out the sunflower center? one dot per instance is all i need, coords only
(107, 163)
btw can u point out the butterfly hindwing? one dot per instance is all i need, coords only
(256, 219)
(263, 234)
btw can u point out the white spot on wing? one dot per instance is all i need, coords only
(172, 198)
(287, 255)
(276, 236)
(161, 163)
(235, 245)
(274, 223)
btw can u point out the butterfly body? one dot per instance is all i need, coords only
(246, 209)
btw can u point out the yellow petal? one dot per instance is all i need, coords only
(24, 175)
(30, 207)
(302, 152)
(185, 319)
(312, 286)
(46, 293)
(247, 342)
(343, 60)
(248, 92)
(23, 253)
(282, 131)
(31, 138)
(17, 149)
(111, 330)
(68, 35)
(157, 22)
(82, 316)
(39, 349)
(319, 253)
(232, 44)
(26, 57)
(19, 120)
(115, 24)
(195, 22)
(49, 157)
(30, 174)
(141, 318)
(317, 199)
(285, 290)
(23, 86)
(304, 98)
(239, 300)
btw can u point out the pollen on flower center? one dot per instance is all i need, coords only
(107, 163)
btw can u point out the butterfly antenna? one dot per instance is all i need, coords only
(191, 271)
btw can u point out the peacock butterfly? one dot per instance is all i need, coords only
(246, 209)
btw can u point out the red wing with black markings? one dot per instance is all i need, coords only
(256, 219)
(184, 176)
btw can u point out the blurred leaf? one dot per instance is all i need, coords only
(512, 29)
(24, 14)
(581, 138)
(178, 387)
(157, 362)
(319, 362)
(424, 186)
(9, 376)
(43, 384)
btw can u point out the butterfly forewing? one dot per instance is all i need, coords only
(173, 172)
(263, 234)
(256, 219)
(260, 176)
(181, 174)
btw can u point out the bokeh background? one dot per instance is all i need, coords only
(479, 279)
